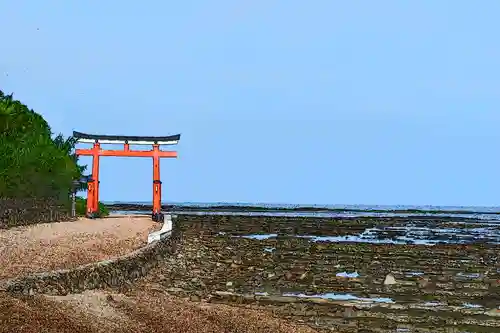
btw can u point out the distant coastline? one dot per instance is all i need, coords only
(223, 207)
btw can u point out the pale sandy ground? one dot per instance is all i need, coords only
(51, 246)
(145, 312)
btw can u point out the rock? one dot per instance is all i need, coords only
(423, 282)
(491, 283)
(493, 313)
(389, 280)
(229, 284)
(349, 312)
(237, 260)
(426, 284)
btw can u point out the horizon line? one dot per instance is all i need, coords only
(262, 204)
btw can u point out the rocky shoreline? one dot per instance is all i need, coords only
(445, 287)
(255, 208)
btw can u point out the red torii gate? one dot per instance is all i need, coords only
(96, 152)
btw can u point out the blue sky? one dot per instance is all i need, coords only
(326, 102)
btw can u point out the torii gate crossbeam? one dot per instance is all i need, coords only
(96, 152)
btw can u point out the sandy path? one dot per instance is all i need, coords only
(145, 312)
(46, 247)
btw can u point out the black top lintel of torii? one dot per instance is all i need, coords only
(80, 135)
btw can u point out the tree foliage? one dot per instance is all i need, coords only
(68, 146)
(32, 163)
(81, 208)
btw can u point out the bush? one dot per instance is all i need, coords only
(81, 207)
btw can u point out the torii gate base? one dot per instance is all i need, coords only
(96, 152)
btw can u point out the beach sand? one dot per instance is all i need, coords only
(148, 312)
(52, 246)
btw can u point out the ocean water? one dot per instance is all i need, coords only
(366, 208)
(484, 216)
(405, 235)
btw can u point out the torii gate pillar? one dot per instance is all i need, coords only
(96, 152)
(156, 181)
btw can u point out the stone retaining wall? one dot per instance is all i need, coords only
(119, 272)
(21, 212)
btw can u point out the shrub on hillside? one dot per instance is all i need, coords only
(81, 207)
(31, 164)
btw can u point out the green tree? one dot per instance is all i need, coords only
(32, 164)
(68, 146)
